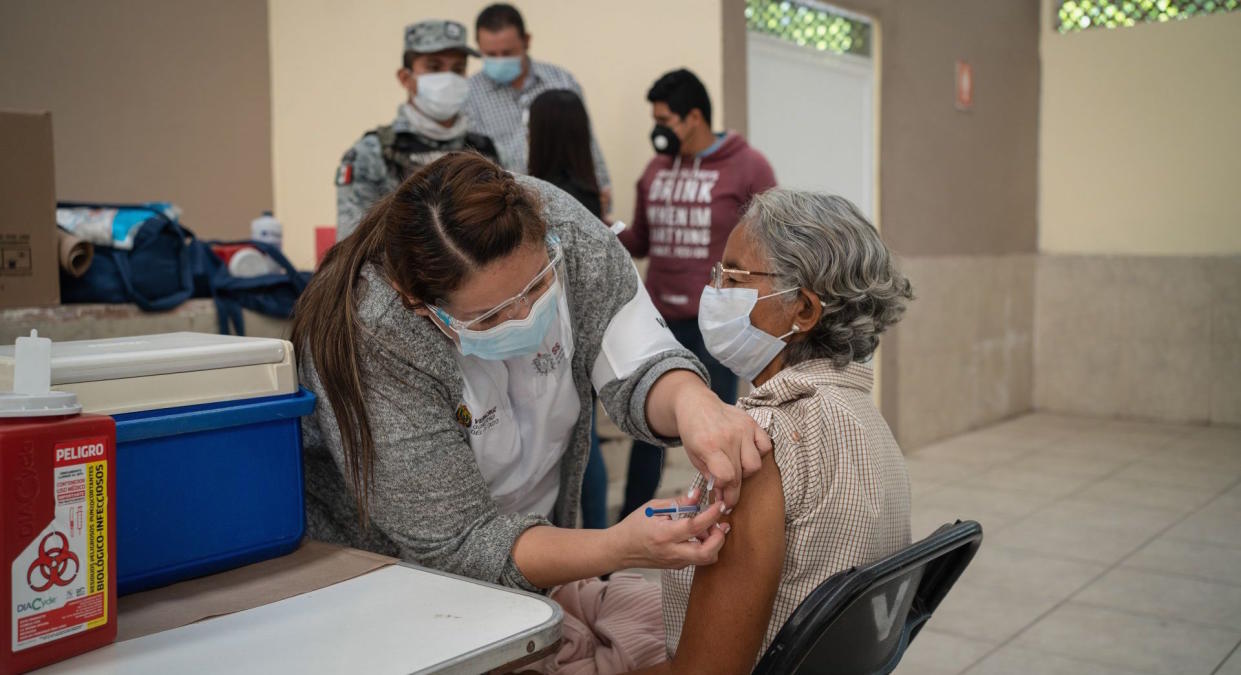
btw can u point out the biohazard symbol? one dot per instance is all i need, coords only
(464, 418)
(50, 568)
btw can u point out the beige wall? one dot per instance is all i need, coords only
(951, 182)
(1136, 302)
(1140, 143)
(957, 194)
(964, 351)
(1145, 337)
(333, 68)
(150, 100)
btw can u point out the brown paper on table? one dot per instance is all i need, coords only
(75, 254)
(313, 566)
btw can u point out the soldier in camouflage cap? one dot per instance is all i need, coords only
(428, 124)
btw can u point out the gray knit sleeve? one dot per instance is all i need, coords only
(625, 399)
(427, 494)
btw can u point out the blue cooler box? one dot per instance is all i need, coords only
(208, 448)
(205, 488)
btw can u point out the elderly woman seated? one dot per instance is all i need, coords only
(796, 307)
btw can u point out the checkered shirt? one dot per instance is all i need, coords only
(846, 490)
(501, 112)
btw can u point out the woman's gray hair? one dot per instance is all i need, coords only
(823, 243)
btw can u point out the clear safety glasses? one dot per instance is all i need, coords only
(514, 306)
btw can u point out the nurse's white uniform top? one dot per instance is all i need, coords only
(519, 413)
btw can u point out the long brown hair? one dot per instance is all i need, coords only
(450, 218)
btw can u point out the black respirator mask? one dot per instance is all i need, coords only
(665, 141)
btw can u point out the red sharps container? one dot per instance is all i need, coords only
(57, 524)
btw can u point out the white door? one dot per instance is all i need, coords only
(812, 113)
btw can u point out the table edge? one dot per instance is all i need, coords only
(545, 634)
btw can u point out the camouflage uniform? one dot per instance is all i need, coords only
(385, 156)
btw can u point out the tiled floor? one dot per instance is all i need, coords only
(1110, 548)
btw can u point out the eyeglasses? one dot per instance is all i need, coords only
(509, 309)
(720, 274)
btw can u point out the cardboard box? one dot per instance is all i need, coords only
(29, 271)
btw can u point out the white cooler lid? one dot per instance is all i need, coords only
(149, 372)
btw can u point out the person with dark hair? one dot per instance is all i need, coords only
(560, 155)
(456, 343)
(501, 95)
(689, 199)
(560, 146)
(428, 124)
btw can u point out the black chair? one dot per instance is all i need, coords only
(862, 620)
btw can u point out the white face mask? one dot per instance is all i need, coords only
(724, 319)
(441, 95)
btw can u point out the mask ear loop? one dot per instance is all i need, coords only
(434, 317)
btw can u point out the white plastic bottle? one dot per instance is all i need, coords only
(266, 229)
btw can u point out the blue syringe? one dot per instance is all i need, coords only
(671, 510)
(676, 511)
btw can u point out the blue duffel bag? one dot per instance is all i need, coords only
(148, 263)
(270, 294)
(157, 263)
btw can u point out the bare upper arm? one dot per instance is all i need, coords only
(730, 602)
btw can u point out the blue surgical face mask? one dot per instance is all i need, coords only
(513, 338)
(502, 69)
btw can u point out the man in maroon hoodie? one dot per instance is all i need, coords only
(689, 200)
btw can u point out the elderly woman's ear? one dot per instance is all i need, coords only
(809, 311)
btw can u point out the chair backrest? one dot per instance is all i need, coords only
(861, 621)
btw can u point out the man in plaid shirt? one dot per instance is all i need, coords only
(499, 101)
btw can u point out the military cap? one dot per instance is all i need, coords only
(436, 35)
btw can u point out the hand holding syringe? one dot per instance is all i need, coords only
(677, 510)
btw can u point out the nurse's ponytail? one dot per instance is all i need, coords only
(453, 216)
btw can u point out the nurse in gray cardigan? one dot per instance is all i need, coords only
(457, 341)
